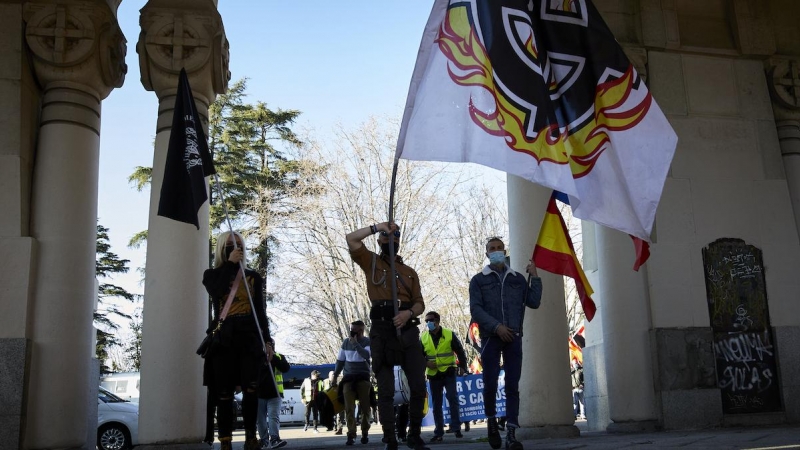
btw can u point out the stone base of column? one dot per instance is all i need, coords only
(637, 426)
(91, 398)
(198, 446)
(547, 431)
(787, 338)
(15, 355)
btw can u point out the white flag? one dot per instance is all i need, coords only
(540, 89)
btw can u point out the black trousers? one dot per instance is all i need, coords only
(406, 351)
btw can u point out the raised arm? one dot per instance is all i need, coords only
(354, 238)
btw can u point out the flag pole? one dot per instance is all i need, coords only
(391, 242)
(246, 284)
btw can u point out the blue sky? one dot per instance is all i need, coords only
(334, 61)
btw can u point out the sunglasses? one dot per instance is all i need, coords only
(396, 233)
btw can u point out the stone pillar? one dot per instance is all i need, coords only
(595, 393)
(545, 386)
(626, 338)
(783, 79)
(19, 103)
(188, 35)
(78, 56)
(789, 139)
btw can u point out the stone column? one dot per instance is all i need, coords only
(626, 327)
(545, 386)
(78, 57)
(789, 139)
(189, 35)
(783, 80)
(595, 393)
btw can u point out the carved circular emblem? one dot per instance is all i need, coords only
(222, 56)
(60, 36)
(173, 44)
(112, 57)
(784, 84)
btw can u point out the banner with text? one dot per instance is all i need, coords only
(470, 399)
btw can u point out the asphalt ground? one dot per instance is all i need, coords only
(768, 438)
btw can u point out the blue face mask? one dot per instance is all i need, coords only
(497, 258)
(431, 326)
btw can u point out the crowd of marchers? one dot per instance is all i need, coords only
(392, 353)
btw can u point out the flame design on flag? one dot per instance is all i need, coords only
(614, 109)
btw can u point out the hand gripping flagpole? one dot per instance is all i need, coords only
(246, 284)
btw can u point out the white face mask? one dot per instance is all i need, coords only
(497, 258)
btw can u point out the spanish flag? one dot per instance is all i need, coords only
(554, 253)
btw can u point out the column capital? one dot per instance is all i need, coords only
(181, 34)
(76, 41)
(783, 80)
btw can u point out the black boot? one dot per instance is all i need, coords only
(351, 439)
(495, 440)
(250, 440)
(391, 441)
(511, 439)
(415, 440)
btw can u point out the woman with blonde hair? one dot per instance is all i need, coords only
(242, 316)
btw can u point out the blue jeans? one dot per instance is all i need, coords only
(268, 411)
(448, 383)
(512, 364)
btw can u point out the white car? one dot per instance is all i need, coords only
(117, 422)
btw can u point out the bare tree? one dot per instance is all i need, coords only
(575, 315)
(444, 212)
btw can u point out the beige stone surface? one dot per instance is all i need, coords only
(16, 273)
(673, 300)
(780, 271)
(666, 83)
(711, 85)
(675, 218)
(773, 212)
(770, 149)
(11, 196)
(753, 92)
(10, 44)
(716, 148)
(725, 209)
(704, 24)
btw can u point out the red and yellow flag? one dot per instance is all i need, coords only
(554, 253)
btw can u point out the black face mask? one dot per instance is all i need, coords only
(228, 250)
(385, 248)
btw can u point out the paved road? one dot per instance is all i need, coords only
(773, 438)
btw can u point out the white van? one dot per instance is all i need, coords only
(124, 385)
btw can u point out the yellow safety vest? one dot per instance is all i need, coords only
(279, 376)
(442, 353)
(307, 393)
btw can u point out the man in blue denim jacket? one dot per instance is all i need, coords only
(497, 299)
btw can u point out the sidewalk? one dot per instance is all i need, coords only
(773, 438)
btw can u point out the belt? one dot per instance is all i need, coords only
(390, 304)
(383, 310)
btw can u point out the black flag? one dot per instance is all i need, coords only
(188, 161)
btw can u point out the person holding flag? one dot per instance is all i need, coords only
(236, 362)
(394, 336)
(498, 297)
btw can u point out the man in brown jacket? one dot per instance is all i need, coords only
(389, 349)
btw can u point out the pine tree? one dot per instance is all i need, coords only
(108, 264)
